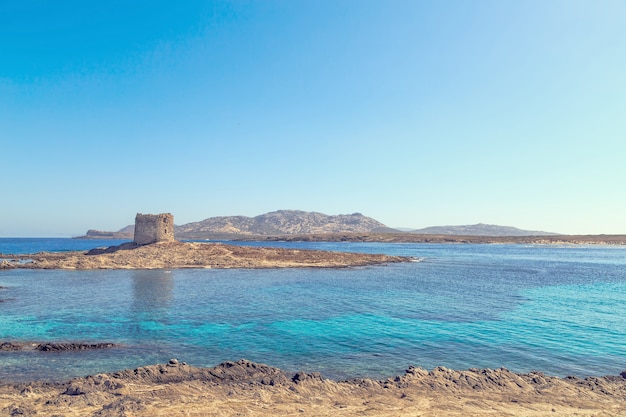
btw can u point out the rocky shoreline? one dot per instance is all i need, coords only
(252, 389)
(172, 255)
(606, 240)
(53, 346)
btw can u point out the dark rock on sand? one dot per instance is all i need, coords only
(300, 377)
(242, 371)
(23, 411)
(122, 407)
(74, 390)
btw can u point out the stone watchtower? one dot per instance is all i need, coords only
(151, 228)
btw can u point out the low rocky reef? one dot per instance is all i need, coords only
(253, 389)
(172, 255)
(54, 346)
(612, 240)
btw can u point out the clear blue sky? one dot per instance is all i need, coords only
(416, 113)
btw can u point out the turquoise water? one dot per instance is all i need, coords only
(34, 245)
(560, 310)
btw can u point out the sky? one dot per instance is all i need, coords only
(416, 113)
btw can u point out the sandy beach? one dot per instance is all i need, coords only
(245, 388)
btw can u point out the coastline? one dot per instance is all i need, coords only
(390, 237)
(175, 255)
(246, 388)
(607, 240)
(252, 389)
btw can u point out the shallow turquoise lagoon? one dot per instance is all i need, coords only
(560, 310)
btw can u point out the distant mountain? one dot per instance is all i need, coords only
(282, 222)
(276, 223)
(297, 222)
(99, 234)
(403, 229)
(480, 229)
(128, 230)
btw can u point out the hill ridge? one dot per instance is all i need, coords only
(480, 229)
(282, 222)
(300, 222)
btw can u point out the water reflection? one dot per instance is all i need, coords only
(152, 290)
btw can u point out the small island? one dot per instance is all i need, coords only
(173, 255)
(154, 247)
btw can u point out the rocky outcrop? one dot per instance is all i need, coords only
(54, 346)
(253, 389)
(63, 347)
(170, 255)
(11, 346)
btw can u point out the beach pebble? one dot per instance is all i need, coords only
(623, 374)
(173, 361)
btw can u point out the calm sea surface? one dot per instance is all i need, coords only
(561, 310)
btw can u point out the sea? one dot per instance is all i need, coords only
(555, 309)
